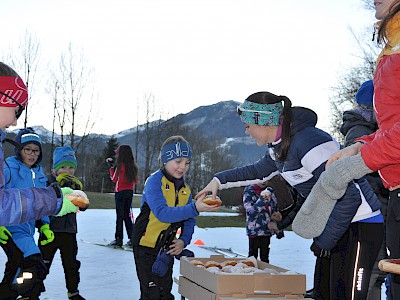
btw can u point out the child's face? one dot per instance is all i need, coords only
(262, 135)
(8, 117)
(30, 154)
(177, 167)
(66, 169)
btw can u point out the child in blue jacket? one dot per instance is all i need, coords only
(19, 206)
(166, 201)
(23, 170)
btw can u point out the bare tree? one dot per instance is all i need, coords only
(76, 85)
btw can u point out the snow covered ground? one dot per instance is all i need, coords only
(110, 274)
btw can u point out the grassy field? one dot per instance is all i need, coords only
(106, 201)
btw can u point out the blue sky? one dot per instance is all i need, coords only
(190, 53)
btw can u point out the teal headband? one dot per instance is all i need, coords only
(260, 114)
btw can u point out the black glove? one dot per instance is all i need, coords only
(162, 263)
(185, 252)
(318, 252)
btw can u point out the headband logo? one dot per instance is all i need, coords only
(178, 152)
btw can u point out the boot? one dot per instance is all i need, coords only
(75, 296)
(116, 243)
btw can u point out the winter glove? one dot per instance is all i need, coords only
(4, 235)
(67, 206)
(68, 180)
(46, 235)
(318, 252)
(185, 252)
(162, 263)
(311, 220)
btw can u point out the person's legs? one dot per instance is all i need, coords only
(321, 278)
(14, 261)
(69, 252)
(144, 260)
(252, 247)
(264, 248)
(127, 202)
(119, 209)
(393, 240)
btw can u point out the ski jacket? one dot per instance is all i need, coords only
(18, 175)
(381, 150)
(308, 153)
(356, 123)
(121, 182)
(258, 212)
(162, 205)
(20, 206)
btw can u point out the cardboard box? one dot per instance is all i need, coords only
(257, 284)
(192, 291)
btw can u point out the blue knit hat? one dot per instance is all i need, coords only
(24, 137)
(365, 94)
(64, 156)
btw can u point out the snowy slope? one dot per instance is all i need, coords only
(110, 274)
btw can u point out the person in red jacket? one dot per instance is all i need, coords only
(380, 150)
(125, 175)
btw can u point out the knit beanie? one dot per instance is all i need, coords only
(365, 94)
(24, 137)
(64, 156)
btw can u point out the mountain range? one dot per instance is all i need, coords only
(217, 122)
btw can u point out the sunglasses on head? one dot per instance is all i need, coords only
(240, 110)
(18, 113)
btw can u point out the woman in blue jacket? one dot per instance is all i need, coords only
(23, 170)
(347, 246)
(19, 206)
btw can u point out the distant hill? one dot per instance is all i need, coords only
(218, 122)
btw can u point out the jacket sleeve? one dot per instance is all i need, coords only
(113, 174)
(262, 170)
(18, 206)
(159, 207)
(383, 150)
(188, 228)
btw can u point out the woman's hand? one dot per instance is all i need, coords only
(273, 227)
(212, 187)
(345, 152)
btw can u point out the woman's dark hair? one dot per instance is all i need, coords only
(6, 70)
(125, 157)
(269, 98)
(394, 9)
(170, 140)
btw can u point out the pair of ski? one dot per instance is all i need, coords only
(227, 252)
(107, 244)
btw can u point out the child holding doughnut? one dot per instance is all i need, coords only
(166, 202)
(65, 228)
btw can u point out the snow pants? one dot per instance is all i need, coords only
(259, 244)
(16, 263)
(66, 243)
(123, 204)
(346, 274)
(393, 240)
(152, 287)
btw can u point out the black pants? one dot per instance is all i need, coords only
(346, 275)
(123, 204)
(66, 243)
(393, 239)
(15, 263)
(152, 287)
(260, 244)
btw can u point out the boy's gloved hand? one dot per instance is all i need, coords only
(162, 263)
(185, 252)
(5, 235)
(46, 235)
(67, 206)
(68, 180)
